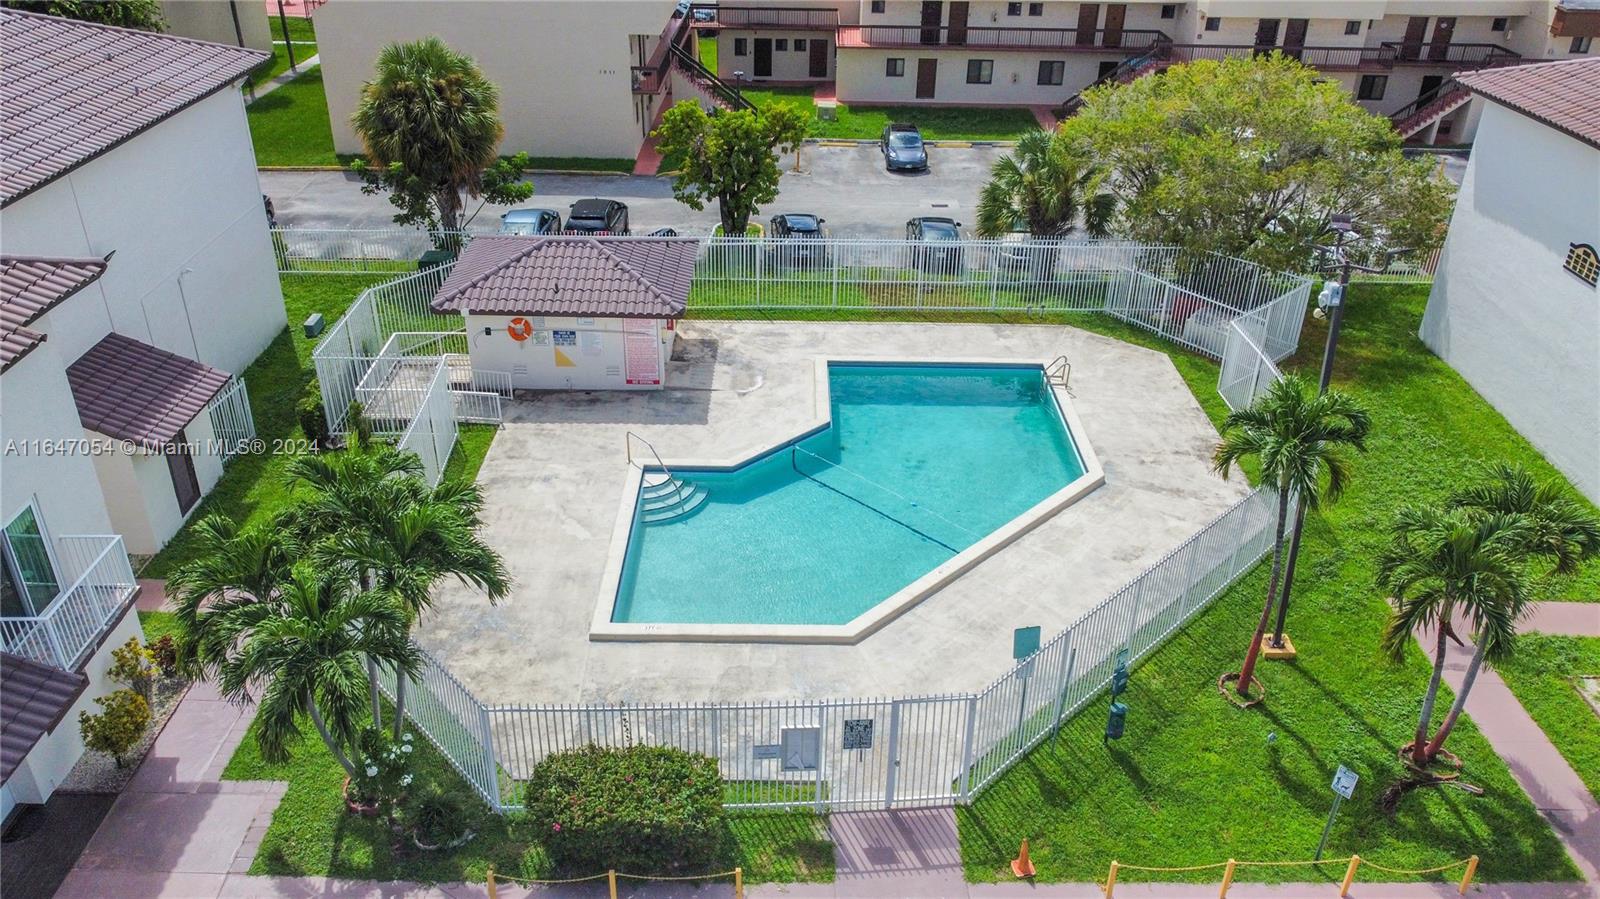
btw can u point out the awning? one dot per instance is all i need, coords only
(129, 390)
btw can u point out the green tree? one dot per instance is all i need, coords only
(728, 157)
(1297, 437)
(1253, 157)
(116, 730)
(366, 510)
(144, 15)
(1042, 188)
(299, 635)
(430, 122)
(1444, 563)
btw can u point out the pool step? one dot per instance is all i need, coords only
(669, 498)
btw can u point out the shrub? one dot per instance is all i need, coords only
(165, 652)
(135, 666)
(439, 817)
(312, 419)
(643, 810)
(122, 720)
(383, 770)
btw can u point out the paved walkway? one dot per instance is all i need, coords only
(284, 77)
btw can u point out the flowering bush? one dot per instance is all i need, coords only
(135, 666)
(643, 809)
(383, 770)
(123, 717)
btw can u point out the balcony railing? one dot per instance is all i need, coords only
(70, 628)
(1474, 55)
(1316, 57)
(1125, 40)
(775, 17)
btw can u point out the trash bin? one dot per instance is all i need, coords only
(1117, 721)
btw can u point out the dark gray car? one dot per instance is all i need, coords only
(597, 216)
(902, 148)
(797, 240)
(937, 247)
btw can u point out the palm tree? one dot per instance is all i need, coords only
(299, 636)
(1296, 435)
(1449, 562)
(367, 513)
(1041, 186)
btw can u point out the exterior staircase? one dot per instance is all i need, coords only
(665, 497)
(705, 82)
(1413, 118)
(1133, 68)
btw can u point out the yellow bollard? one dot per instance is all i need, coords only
(1466, 879)
(1349, 876)
(1111, 879)
(738, 883)
(1227, 879)
(489, 881)
(611, 882)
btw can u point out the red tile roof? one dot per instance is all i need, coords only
(570, 276)
(130, 390)
(29, 287)
(33, 700)
(1564, 95)
(73, 90)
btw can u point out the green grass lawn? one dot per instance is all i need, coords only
(867, 122)
(1541, 674)
(290, 125)
(1196, 781)
(157, 625)
(300, 29)
(280, 61)
(706, 48)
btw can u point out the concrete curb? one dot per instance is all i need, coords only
(340, 168)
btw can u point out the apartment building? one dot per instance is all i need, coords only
(1395, 56)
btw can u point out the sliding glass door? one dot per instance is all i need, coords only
(30, 581)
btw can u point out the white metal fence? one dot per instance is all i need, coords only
(432, 432)
(233, 427)
(98, 581)
(318, 251)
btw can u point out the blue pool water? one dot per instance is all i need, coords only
(919, 463)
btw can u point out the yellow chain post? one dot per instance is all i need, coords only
(738, 883)
(1227, 879)
(489, 882)
(1111, 880)
(1349, 876)
(1466, 879)
(611, 882)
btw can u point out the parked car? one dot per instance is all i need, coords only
(937, 248)
(902, 148)
(705, 15)
(1020, 255)
(272, 214)
(531, 221)
(597, 216)
(797, 240)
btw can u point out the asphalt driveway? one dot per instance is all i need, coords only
(847, 186)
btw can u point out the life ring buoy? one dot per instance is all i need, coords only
(520, 329)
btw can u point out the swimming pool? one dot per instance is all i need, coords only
(917, 472)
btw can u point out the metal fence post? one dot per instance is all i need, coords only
(490, 762)
(1066, 684)
(967, 748)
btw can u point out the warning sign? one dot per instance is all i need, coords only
(641, 352)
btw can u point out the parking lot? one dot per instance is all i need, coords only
(847, 186)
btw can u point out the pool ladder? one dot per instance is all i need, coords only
(664, 496)
(1058, 372)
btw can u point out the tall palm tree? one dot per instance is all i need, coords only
(297, 637)
(364, 511)
(1297, 436)
(1447, 562)
(1043, 187)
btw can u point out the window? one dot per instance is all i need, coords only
(1169, 10)
(1013, 9)
(877, 6)
(1580, 45)
(29, 583)
(894, 67)
(1052, 71)
(1372, 87)
(782, 44)
(1499, 24)
(799, 43)
(980, 71)
(741, 46)
(1035, 9)
(1214, 24)
(1352, 27)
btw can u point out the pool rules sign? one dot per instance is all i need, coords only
(641, 351)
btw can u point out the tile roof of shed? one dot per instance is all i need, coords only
(33, 700)
(130, 390)
(1564, 95)
(570, 276)
(73, 90)
(29, 287)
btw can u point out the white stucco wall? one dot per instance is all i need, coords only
(181, 196)
(595, 361)
(140, 496)
(36, 407)
(1503, 311)
(562, 66)
(787, 65)
(861, 77)
(213, 20)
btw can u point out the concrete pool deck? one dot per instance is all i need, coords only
(555, 470)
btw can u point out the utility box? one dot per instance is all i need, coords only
(1116, 722)
(434, 259)
(314, 325)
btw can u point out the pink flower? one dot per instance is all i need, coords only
(556, 828)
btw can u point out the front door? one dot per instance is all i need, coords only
(1443, 28)
(1266, 34)
(763, 57)
(1294, 37)
(1416, 33)
(818, 46)
(957, 32)
(1430, 85)
(932, 12)
(1088, 21)
(1116, 14)
(180, 464)
(927, 77)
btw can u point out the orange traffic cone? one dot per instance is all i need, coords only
(1022, 866)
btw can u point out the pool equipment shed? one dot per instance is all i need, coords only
(564, 313)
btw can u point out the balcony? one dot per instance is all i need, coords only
(1473, 56)
(1127, 40)
(1334, 58)
(773, 18)
(67, 632)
